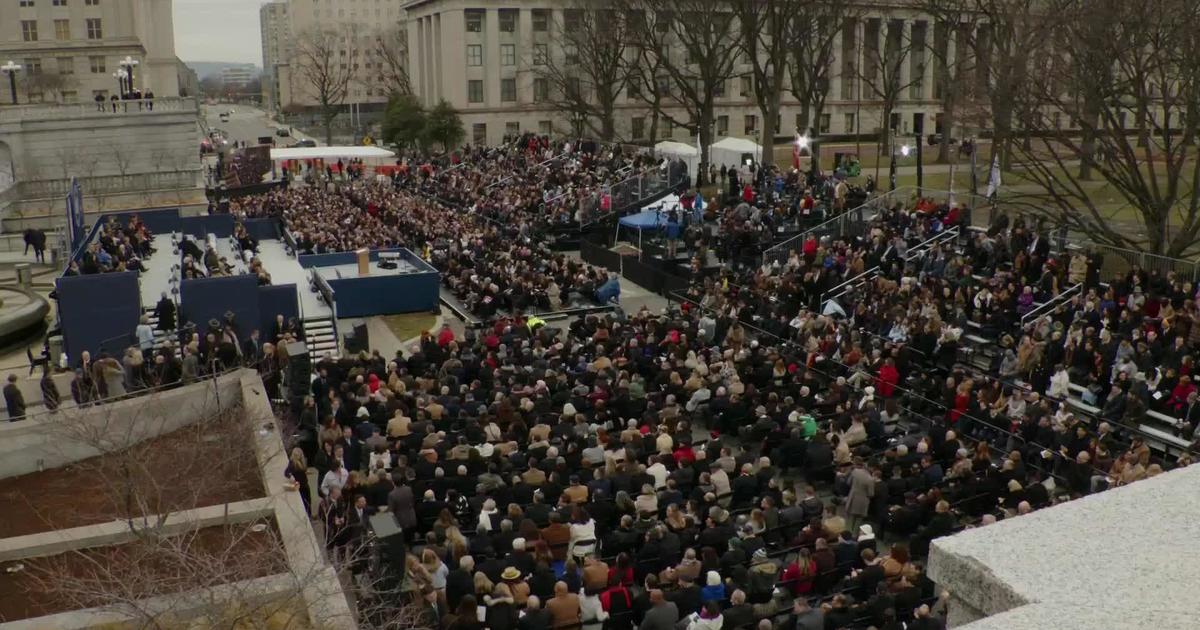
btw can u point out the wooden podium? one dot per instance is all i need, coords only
(364, 262)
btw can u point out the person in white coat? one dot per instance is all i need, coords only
(1060, 383)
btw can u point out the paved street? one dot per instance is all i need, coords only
(246, 124)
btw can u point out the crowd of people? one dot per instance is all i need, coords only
(755, 456)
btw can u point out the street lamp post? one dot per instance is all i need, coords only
(12, 69)
(919, 129)
(121, 76)
(128, 64)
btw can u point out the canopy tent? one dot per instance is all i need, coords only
(680, 151)
(652, 217)
(732, 152)
(331, 153)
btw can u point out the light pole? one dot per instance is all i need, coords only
(121, 76)
(128, 64)
(12, 69)
(904, 151)
(919, 129)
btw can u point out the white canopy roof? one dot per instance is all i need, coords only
(680, 149)
(331, 153)
(741, 145)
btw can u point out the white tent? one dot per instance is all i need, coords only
(679, 151)
(732, 151)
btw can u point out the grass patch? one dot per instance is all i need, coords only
(409, 325)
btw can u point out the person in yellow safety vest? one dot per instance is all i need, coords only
(534, 322)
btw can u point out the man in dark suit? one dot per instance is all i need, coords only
(663, 615)
(357, 521)
(400, 504)
(14, 400)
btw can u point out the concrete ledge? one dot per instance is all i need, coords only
(258, 590)
(327, 605)
(54, 440)
(118, 532)
(1121, 555)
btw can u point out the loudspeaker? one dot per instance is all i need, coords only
(357, 340)
(299, 368)
(389, 549)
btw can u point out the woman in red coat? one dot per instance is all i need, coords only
(888, 378)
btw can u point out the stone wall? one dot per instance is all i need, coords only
(132, 150)
(1121, 558)
(70, 435)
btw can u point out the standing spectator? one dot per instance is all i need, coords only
(663, 615)
(862, 490)
(564, 606)
(50, 396)
(14, 400)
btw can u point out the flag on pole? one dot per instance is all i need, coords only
(796, 153)
(950, 202)
(994, 179)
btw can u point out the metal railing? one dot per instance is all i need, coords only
(1119, 261)
(643, 185)
(1049, 305)
(847, 224)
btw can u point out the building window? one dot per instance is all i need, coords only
(70, 96)
(25, 3)
(94, 29)
(719, 88)
(663, 85)
(572, 55)
(573, 89)
(62, 30)
(826, 122)
(475, 91)
(638, 127)
(33, 67)
(572, 18)
(541, 20)
(751, 124)
(59, 3)
(97, 65)
(545, 127)
(849, 122)
(99, 94)
(474, 55)
(634, 90)
(479, 133)
(66, 65)
(668, 128)
(29, 30)
(508, 90)
(722, 125)
(746, 85)
(508, 54)
(541, 90)
(91, 3)
(541, 54)
(512, 128)
(474, 20)
(508, 20)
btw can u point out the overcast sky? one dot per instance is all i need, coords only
(218, 30)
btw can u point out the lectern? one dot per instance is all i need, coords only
(364, 262)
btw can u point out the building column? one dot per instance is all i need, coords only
(906, 65)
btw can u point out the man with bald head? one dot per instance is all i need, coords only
(663, 615)
(564, 606)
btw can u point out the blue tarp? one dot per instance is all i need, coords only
(644, 220)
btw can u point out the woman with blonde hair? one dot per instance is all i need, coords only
(437, 571)
(483, 586)
(297, 472)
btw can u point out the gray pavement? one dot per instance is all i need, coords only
(247, 124)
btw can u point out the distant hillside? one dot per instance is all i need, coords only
(206, 69)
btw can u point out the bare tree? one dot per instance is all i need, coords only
(647, 81)
(883, 72)
(391, 55)
(589, 76)
(1129, 77)
(324, 72)
(811, 37)
(707, 36)
(765, 27)
(52, 83)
